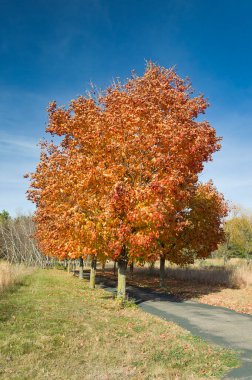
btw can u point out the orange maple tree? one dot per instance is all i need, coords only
(123, 182)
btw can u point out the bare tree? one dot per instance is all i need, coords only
(17, 244)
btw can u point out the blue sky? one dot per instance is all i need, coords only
(53, 49)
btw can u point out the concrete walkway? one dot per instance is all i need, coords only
(217, 325)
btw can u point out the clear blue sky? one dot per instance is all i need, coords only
(52, 49)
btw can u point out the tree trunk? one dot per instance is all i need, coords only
(131, 269)
(68, 266)
(225, 259)
(114, 269)
(73, 266)
(151, 267)
(122, 267)
(81, 269)
(103, 266)
(162, 271)
(92, 273)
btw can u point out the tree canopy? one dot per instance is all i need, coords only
(123, 182)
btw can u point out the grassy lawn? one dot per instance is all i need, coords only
(54, 327)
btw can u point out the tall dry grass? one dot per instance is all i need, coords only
(242, 276)
(230, 276)
(11, 274)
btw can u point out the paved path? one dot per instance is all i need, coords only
(215, 324)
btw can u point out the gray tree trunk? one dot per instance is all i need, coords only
(92, 273)
(122, 267)
(81, 269)
(114, 268)
(131, 269)
(68, 266)
(103, 267)
(151, 267)
(162, 271)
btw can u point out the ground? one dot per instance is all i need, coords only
(239, 300)
(53, 326)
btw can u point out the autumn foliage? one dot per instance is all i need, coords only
(123, 182)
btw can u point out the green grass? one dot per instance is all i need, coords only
(54, 327)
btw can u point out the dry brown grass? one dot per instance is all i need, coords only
(237, 274)
(210, 276)
(242, 276)
(239, 300)
(230, 276)
(11, 274)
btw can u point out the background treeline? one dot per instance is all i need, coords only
(238, 237)
(17, 244)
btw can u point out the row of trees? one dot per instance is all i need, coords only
(122, 184)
